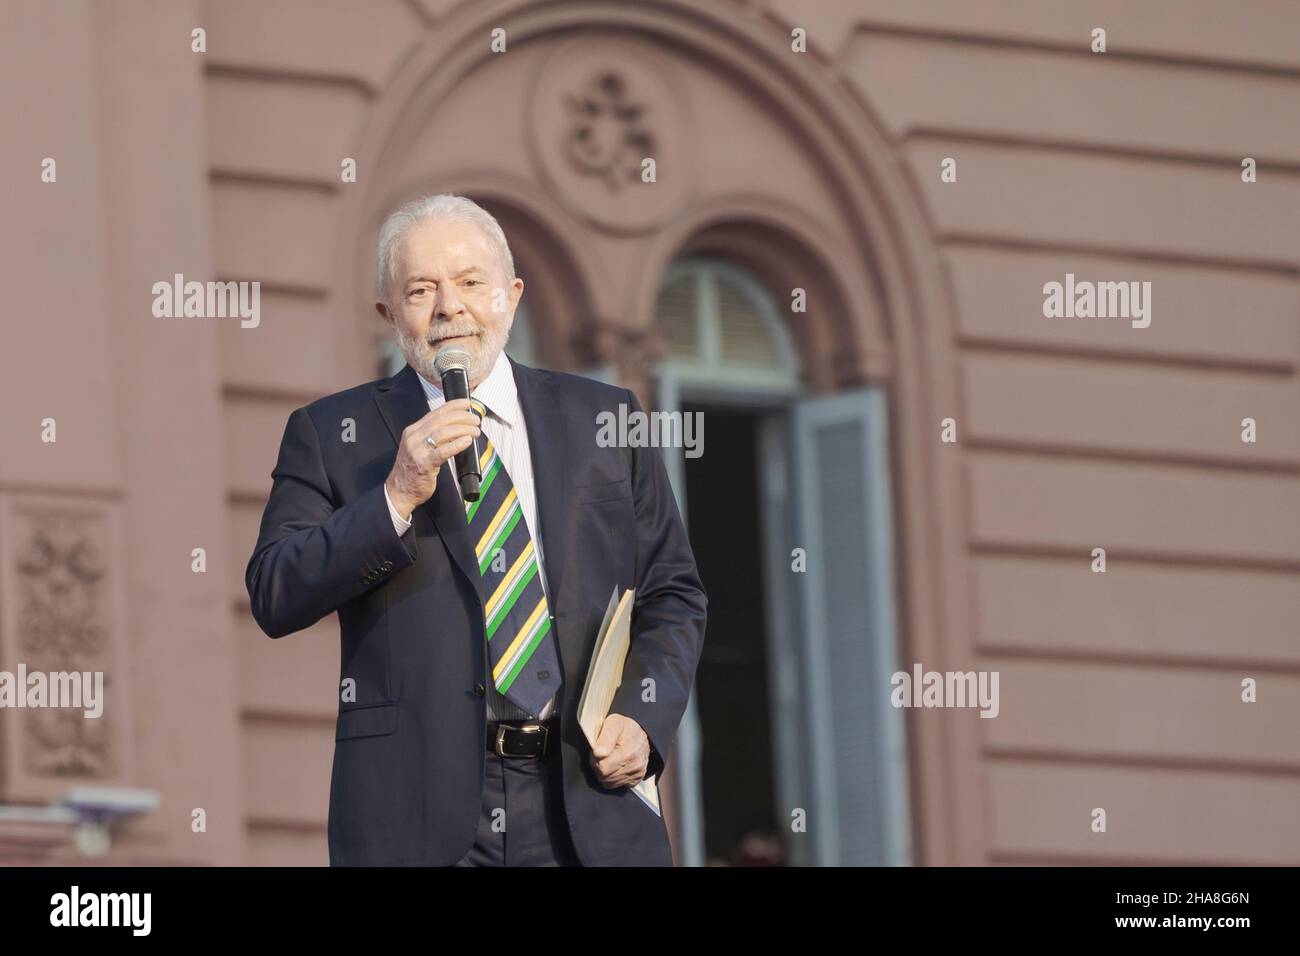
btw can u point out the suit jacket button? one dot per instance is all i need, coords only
(479, 690)
(388, 565)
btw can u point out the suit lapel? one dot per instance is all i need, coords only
(402, 401)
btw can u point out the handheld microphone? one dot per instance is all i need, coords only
(453, 365)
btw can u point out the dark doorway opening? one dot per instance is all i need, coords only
(737, 774)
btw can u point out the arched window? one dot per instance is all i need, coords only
(723, 327)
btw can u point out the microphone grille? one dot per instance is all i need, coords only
(450, 358)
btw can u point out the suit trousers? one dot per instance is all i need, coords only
(522, 820)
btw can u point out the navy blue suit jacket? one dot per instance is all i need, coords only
(407, 779)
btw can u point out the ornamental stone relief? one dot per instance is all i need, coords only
(605, 137)
(58, 621)
(612, 134)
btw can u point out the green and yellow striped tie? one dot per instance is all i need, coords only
(521, 643)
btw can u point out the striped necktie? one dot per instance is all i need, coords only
(521, 643)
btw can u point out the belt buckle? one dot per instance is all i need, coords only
(522, 728)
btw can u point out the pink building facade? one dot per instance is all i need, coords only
(838, 258)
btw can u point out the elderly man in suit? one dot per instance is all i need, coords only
(466, 628)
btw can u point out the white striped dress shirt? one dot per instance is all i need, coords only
(504, 426)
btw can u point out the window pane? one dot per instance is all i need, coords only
(745, 336)
(676, 314)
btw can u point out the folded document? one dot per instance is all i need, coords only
(604, 675)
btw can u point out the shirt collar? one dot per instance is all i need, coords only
(497, 391)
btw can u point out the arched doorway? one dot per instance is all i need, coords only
(798, 767)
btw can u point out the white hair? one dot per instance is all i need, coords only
(446, 207)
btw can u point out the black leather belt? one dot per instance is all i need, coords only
(522, 738)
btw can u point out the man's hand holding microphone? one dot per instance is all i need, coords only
(425, 445)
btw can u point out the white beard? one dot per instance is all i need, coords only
(483, 349)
